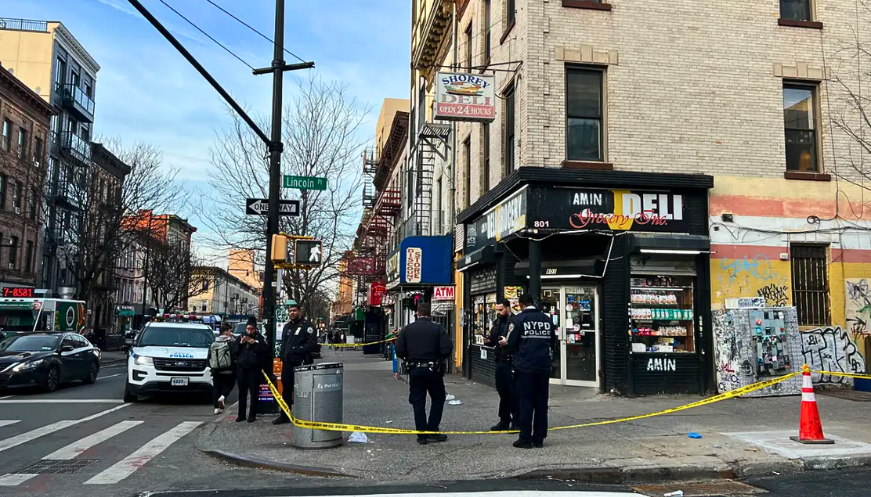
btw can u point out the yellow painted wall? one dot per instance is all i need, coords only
(29, 55)
(459, 345)
(747, 277)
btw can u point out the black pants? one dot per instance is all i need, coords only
(222, 385)
(249, 384)
(422, 381)
(532, 390)
(287, 383)
(506, 385)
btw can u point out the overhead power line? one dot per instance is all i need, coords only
(207, 35)
(222, 9)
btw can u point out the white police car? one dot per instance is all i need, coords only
(169, 357)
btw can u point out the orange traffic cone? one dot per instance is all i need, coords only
(810, 429)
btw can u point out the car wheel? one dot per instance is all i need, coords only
(128, 396)
(52, 380)
(92, 373)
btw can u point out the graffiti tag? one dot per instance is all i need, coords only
(831, 349)
(858, 306)
(774, 295)
(759, 267)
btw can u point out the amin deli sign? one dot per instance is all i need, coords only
(465, 97)
(624, 210)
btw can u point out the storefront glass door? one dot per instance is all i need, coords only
(575, 313)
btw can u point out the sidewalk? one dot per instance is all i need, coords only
(652, 448)
(109, 357)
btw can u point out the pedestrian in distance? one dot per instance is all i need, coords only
(425, 346)
(252, 357)
(221, 357)
(299, 343)
(509, 408)
(531, 339)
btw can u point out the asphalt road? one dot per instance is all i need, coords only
(82, 440)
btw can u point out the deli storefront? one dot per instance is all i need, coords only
(619, 260)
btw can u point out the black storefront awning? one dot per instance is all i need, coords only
(672, 242)
(572, 268)
(486, 255)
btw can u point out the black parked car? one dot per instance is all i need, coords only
(46, 360)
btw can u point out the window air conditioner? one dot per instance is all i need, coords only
(18, 210)
(11, 265)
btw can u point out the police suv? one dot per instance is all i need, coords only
(169, 355)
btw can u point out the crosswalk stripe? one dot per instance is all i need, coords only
(7, 422)
(74, 449)
(15, 479)
(127, 466)
(17, 440)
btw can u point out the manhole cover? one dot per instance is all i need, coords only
(49, 467)
(701, 489)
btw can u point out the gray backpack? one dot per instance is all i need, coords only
(220, 357)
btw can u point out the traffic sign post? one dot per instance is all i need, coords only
(260, 207)
(305, 182)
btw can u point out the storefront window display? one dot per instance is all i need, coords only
(661, 313)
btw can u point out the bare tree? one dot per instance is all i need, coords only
(173, 278)
(91, 236)
(323, 138)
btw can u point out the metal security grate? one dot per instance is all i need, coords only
(50, 467)
(810, 284)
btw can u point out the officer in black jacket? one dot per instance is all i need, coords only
(532, 338)
(509, 409)
(299, 342)
(425, 346)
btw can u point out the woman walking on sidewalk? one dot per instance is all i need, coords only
(221, 358)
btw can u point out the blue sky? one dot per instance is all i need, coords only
(147, 92)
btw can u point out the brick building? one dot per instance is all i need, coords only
(717, 148)
(24, 125)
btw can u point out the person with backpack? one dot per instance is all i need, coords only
(222, 362)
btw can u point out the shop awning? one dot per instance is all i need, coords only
(486, 255)
(572, 268)
(674, 243)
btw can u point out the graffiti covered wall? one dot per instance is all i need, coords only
(831, 349)
(753, 276)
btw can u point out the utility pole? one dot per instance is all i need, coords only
(273, 144)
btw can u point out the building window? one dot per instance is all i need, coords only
(486, 30)
(810, 284)
(4, 183)
(13, 251)
(46, 264)
(509, 131)
(468, 43)
(485, 158)
(34, 195)
(38, 151)
(509, 12)
(28, 257)
(439, 220)
(60, 72)
(795, 10)
(799, 121)
(17, 197)
(584, 114)
(467, 170)
(22, 144)
(7, 135)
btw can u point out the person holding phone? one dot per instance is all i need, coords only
(509, 408)
(253, 354)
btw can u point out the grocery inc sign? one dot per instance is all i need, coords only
(465, 97)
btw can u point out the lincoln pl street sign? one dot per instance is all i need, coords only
(305, 182)
(260, 207)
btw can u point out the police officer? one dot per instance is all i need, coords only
(509, 409)
(299, 342)
(532, 338)
(425, 346)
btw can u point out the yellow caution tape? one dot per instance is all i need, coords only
(848, 375)
(356, 344)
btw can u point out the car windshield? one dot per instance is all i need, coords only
(36, 343)
(165, 336)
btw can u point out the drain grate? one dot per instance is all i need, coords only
(50, 467)
(701, 489)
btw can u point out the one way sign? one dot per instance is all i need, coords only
(260, 207)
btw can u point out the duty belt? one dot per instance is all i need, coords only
(429, 365)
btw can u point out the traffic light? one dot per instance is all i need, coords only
(308, 252)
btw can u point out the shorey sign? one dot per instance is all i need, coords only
(465, 97)
(425, 260)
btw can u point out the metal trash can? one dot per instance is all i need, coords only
(318, 396)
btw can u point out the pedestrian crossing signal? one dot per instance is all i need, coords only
(308, 252)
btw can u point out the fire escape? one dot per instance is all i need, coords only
(432, 142)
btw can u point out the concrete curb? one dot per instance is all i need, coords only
(254, 462)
